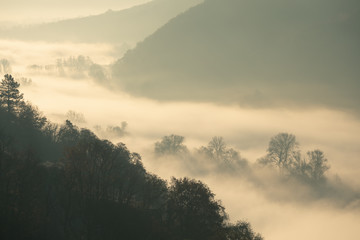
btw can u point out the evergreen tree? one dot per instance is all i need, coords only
(10, 97)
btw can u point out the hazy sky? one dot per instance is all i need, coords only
(25, 12)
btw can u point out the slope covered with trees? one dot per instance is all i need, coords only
(62, 182)
(254, 53)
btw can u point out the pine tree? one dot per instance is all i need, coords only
(10, 97)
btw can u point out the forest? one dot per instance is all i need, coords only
(62, 182)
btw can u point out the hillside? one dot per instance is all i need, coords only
(129, 25)
(254, 53)
(62, 182)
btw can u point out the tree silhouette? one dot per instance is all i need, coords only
(241, 231)
(68, 134)
(223, 157)
(300, 167)
(318, 164)
(282, 150)
(170, 145)
(10, 96)
(31, 116)
(62, 182)
(193, 211)
(217, 147)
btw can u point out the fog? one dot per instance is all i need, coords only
(247, 130)
(287, 220)
(278, 210)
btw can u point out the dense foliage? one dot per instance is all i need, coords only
(61, 182)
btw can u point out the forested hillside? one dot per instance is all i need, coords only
(253, 53)
(62, 182)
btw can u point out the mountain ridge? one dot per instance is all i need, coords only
(129, 25)
(252, 53)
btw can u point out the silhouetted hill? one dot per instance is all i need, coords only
(62, 182)
(129, 25)
(253, 53)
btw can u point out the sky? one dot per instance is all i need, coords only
(38, 11)
(246, 129)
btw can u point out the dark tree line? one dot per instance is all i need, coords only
(62, 182)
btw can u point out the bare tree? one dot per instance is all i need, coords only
(222, 155)
(282, 150)
(75, 117)
(217, 147)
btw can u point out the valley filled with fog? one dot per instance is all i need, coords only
(76, 80)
